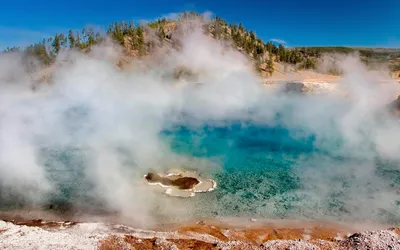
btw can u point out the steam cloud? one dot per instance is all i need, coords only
(107, 123)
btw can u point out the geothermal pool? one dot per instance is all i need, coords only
(274, 170)
(277, 172)
(273, 155)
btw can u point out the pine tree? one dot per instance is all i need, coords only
(282, 53)
(38, 51)
(45, 56)
(247, 46)
(98, 37)
(12, 49)
(78, 41)
(161, 33)
(270, 65)
(49, 47)
(259, 49)
(91, 39)
(216, 31)
(234, 27)
(56, 44)
(309, 64)
(84, 37)
(140, 40)
(226, 32)
(116, 33)
(64, 41)
(252, 36)
(71, 39)
(269, 47)
(130, 29)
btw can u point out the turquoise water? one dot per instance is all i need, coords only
(257, 161)
(278, 172)
(262, 170)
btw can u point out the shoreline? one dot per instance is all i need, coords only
(227, 233)
(27, 216)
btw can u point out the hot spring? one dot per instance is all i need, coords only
(280, 172)
(83, 143)
(279, 169)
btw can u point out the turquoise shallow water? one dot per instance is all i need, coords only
(257, 162)
(277, 172)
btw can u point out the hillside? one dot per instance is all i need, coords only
(391, 56)
(140, 40)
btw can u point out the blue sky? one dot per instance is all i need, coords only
(296, 22)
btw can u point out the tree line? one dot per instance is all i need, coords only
(132, 37)
(260, 51)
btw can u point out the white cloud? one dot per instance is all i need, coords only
(278, 40)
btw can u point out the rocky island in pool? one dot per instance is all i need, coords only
(181, 183)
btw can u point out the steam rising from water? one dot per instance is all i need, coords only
(90, 136)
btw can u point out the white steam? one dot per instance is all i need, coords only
(113, 118)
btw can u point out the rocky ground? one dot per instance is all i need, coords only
(39, 234)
